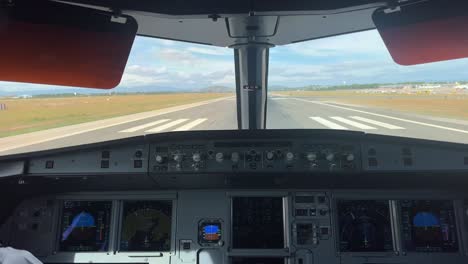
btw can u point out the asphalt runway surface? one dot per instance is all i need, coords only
(283, 112)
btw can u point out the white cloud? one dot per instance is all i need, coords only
(365, 71)
(228, 80)
(135, 80)
(211, 51)
(146, 70)
(332, 73)
(176, 56)
(183, 60)
(136, 75)
(166, 42)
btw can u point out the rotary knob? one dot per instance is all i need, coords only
(311, 156)
(330, 156)
(178, 158)
(196, 157)
(270, 155)
(219, 157)
(289, 156)
(323, 211)
(159, 159)
(350, 157)
(235, 157)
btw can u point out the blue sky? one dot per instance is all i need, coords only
(353, 58)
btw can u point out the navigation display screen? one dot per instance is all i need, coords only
(364, 226)
(146, 226)
(85, 225)
(429, 226)
(257, 222)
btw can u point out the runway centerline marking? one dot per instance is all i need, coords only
(191, 125)
(386, 116)
(327, 123)
(377, 123)
(352, 123)
(134, 129)
(167, 125)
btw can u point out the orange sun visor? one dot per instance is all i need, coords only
(424, 32)
(51, 43)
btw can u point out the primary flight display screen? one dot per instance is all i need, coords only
(257, 222)
(210, 232)
(85, 225)
(429, 226)
(146, 226)
(364, 226)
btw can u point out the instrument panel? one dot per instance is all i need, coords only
(261, 226)
(253, 156)
(297, 197)
(269, 151)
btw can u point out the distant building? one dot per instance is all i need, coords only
(391, 86)
(461, 86)
(428, 86)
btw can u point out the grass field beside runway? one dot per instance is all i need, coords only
(34, 114)
(450, 104)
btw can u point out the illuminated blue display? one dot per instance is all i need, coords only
(425, 219)
(81, 220)
(211, 229)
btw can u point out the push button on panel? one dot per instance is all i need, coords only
(313, 212)
(301, 212)
(137, 164)
(49, 164)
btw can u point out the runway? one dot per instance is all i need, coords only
(283, 112)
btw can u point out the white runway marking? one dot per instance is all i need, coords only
(166, 126)
(327, 123)
(352, 123)
(9, 143)
(134, 129)
(191, 125)
(331, 124)
(377, 123)
(386, 116)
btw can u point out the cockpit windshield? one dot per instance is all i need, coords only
(346, 82)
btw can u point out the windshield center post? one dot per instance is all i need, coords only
(251, 68)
